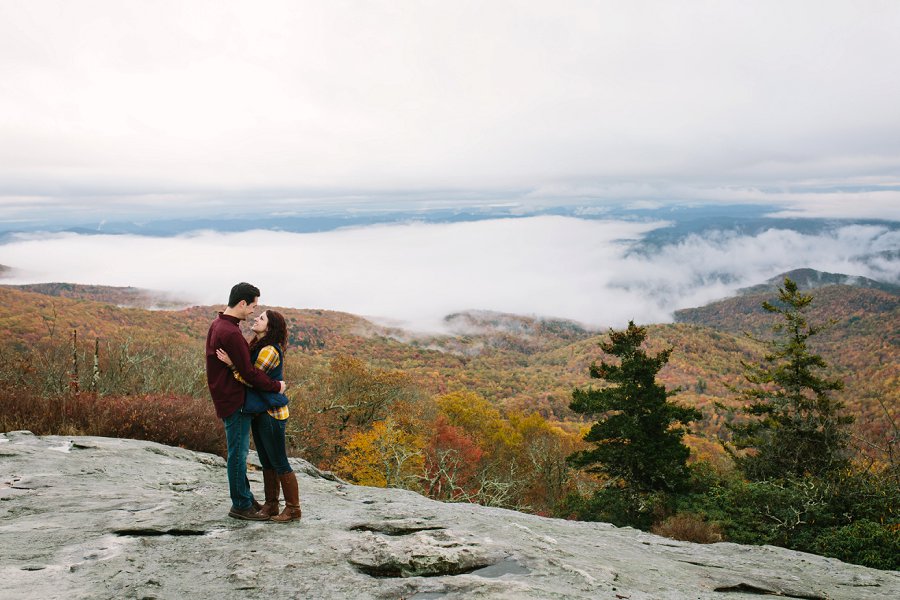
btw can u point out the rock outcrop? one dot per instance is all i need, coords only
(84, 517)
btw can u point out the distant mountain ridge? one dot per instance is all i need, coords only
(120, 296)
(682, 220)
(854, 298)
(810, 279)
(484, 321)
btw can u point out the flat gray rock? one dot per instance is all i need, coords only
(84, 517)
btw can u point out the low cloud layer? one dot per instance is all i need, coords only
(415, 274)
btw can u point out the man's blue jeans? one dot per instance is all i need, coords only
(237, 436)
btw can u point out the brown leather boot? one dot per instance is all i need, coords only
(272, 489)
(291, 510)
(247, 514)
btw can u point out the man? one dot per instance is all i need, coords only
(228, 393)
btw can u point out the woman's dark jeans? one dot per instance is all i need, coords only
(268, 436)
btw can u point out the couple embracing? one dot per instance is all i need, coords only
(247, 391)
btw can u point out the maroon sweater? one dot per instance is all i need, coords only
(226, 391)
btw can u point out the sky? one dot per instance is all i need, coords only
(192, 107)
(125, 110)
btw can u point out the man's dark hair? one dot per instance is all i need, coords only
(243, 291)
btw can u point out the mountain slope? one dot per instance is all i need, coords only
(810, 279)
(519, 362)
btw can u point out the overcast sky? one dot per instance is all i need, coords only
(122, 105)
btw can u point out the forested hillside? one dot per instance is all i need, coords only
(861, 342)
(517, 363)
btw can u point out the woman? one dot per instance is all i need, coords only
(267, 352)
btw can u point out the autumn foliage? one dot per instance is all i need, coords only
(458, 447)
(451, 462)
(168, 419)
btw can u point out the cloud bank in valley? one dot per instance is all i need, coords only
(415, 274)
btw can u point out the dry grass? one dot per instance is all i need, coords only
(688, 527)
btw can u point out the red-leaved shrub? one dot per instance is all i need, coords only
(169, 419)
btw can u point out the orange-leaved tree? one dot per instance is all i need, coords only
(384, 456)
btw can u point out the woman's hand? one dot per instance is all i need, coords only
(223, 356)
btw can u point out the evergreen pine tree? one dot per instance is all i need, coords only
(796, 427)
(636, 439)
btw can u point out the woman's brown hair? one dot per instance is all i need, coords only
(276, 333)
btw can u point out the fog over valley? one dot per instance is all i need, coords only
(598, 272)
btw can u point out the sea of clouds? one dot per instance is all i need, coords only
(414, 274)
